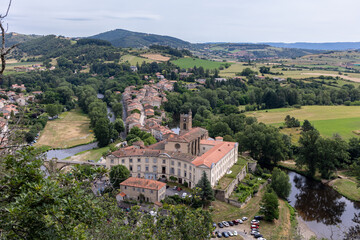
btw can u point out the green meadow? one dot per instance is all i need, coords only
(188, 62)
(329, 120)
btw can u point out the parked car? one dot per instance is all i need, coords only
(235, 233)
(255, 221)
(261, 238)
(220, 225)
(225, 234)
(175, 187)
(179, 189)
(254, 231)
(226, 224)
(244, 218)
(214, 225)
(219, 235)
(258, 217)
(231, 223)
(230, 233)
(254, 226)
(257, 235)
(184, 195)
(235, 222)
(239, 221)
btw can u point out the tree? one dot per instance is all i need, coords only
(308, 152)
(4, 51)
(206, 192)
(270, 204)
(53, 109)
(265, 143)
(291, 122)
(118, 174)
(264, 69)
(280, 182)
(219, 129)
(307, 126)
(102, 132)
(34, 206)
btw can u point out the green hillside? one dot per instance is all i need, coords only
(125, 38)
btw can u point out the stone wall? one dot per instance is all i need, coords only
(222, 195)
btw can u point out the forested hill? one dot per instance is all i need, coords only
(125, 38)
(340, 46)
(16, 38)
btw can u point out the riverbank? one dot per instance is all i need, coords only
(346, 187)
(303, 230)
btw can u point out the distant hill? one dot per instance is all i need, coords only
(125, 38)
(339, 46)
(246, 51)
(15, 38)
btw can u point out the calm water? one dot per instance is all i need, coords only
(325, 211)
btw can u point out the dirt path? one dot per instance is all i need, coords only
(334, 75)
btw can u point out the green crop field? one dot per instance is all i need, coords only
(327, 119)
(133, 60)
(188, 62)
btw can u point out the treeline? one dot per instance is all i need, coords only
(172, 51)
(104, 130)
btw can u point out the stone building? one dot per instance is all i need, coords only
(185, 156)
(142, 189)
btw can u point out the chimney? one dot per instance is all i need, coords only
(220, 139)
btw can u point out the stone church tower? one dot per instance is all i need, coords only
(185, 122)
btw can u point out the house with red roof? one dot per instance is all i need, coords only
(142, 189)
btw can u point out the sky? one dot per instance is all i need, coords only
(195, 21)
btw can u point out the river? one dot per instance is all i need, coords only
(64, 153)
(324, 211)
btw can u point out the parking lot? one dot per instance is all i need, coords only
(242, 229)
(171, 192)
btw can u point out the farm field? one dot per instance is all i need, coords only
(188, 62)
(327, 119)
(156, 57)
(71, 129)
(238, 67)
(133, 60)
(13, 64)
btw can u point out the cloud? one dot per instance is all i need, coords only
(75, 19)
(134, 16)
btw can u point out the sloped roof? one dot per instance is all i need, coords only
(215, 154)
(143, 183)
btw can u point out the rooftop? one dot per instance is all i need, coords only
(143, 183)
(215, 154)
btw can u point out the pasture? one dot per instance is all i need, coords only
(71, 129)
(329, 120)
(189, 62)
(133, 60)
(156, 57)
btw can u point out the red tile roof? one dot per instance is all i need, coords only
(215, 154)
(143, 183)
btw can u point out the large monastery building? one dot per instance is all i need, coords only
(185, 156)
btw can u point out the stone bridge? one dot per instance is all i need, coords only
(52, 164)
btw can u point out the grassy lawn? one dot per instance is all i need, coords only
(93, 154)
(133, 60)
(279, 229)
(347, 188)
(188, 62)
(235, 169)
(327, 119)
(71, 129)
